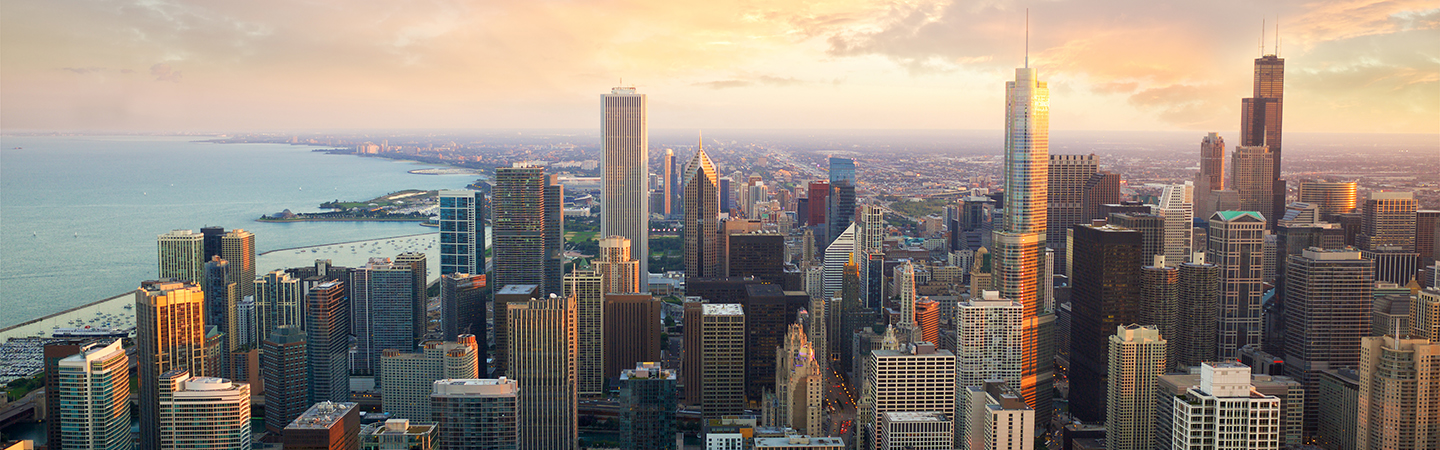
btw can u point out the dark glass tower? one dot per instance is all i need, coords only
(519, 200)
(283, 367)
(327, 337)
(1261, 121)
(842, 196)
(1104, 295)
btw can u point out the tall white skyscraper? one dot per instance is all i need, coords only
(987, 340)
(1137, 359)
(837, 255)
(625, 170)
(1177, 206)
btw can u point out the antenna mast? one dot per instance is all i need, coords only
(1262, 37)
(1277, 35)
(1027, 38)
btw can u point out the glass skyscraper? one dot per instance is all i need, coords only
(462, 232)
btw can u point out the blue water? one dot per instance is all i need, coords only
(119, 192)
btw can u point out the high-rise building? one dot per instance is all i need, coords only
(94, 388)
(1177, 207)
(1212, 161)
(993, 416)
(1196, 328)
(221, 298)
(647, 407)
(324, 426)
(554, 239)
(915, 430)
(181, 256)
(381, 305)
(987, 340)
(1137, 358)
(519, 226)
(625, 148)
(1103, 188)
(1339, 400)
(169, 335)
(1389, 221)
(1104, 294)
(398, 434)
(1425, 315)
(1253, 167)
(284, 369)
(819, 200)
(841, 210)
(915, 377)
(1236, 241)
(691, 361)
(632, 331)
(420, 296)
(1330, 198)
(722, 360)
(757, 254)
(1261, 114)
(673, 196)
(619, 272)
(462, 307)
(53, 353)
(203, 412)
(840, 252)
(702, 218)
(1192, 421)
(407, 378)
(585, 287)
(799, 385)
(327, 342)
(1327, 311)
(904, 321)
(1427, 232)
(1160, 304)
(542, 362)
(519, 293)
(462, 232)
(1152, 233)
(1399, 383)
(476, 413)
(1066, 206)
(927, 320)
(279, 301)
(211, 238)
(238, 247)
(1393, 265)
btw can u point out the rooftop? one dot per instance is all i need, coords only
(322, 415)
(915, 416)
(723, 309)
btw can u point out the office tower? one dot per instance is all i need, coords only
(1253, 166)
(221, 296)
(915, 430)
(1066, 207)
(215, 351)
(1392, 265)
(632, 331)
(519, 293)
(1236, 240)
(381, 306)
(987, 340)
(722, 360)
(1197, 327)
(1427, 231)
(1389, 221)
(1212, 161)
(1105, 293)
(1177, 208)
(727, 201)
(841, 209)
(327, 342)
(1425, 315)
(618, 271)
(1160, 304)
(673, 195)
(1330, 198)
(1152, 233)
(976, 222)
(462, 307)
(819, 200)
(1103, 188)
(690, 370)
(1291, 239)
(905, 289)
(702, 223)
(93, 386)
(475, 413)
(647, 407)
(398, 434)
(1301, 213)
(817, 329)
(462, 232)
(757, 254)
(554, 234)
(625, 147)
(181, 256)
(994, 417)
(1225, 395)
(169, 335)
(1397, 406)
(284, 369)
(585, 287)
(280, 300)
(1390, 315)
(324, 426)
(927, 320)
(1137, 357)
(519, 226)
(543, 363)
(1261, 114)
(799, 385)
(211, 238)
(1327, 311)
(53, 353)
(1339, 400)
(847, 316)
(238, 247)
(840, 251)
(203, 412)
(408, 378)
(420, 297)
(915, 377)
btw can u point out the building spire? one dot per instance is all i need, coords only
(1027, 38)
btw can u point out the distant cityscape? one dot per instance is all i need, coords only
(734, 293)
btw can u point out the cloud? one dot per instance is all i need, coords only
(163, 72)
(1188, 106)
(83, 70)
(765, 80)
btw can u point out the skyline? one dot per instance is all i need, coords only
(1355, 66)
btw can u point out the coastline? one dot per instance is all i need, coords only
(343, 243)
(6, 330)
(344, 219)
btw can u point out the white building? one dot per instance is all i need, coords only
(1137, 359)
(836, 256)
(625, 197)
(995, 417)
(407, 379)
(916, 377)
(203, 413)
(1224, 412)
(916, 431)
(1177, 206)
(94, 387)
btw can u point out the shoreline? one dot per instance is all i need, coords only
(257, 255)
(68, 311)
(343, 219)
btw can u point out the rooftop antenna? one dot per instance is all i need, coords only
(1277, 35)
(1027, 38)
(1262, 37)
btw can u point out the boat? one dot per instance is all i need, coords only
(91, 332)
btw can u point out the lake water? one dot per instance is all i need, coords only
(79, 214)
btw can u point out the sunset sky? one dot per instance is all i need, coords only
(174, 65)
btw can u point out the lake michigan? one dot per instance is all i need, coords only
(79, 214)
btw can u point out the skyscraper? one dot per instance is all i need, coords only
(284, 369)
(94, 387)
(914, 377)
(585, 288)
(702, 218)
(1425, 315)
(1103, 188)
(462, 232)
(1105, 294)
(169, 335)
(1398, 393)
(1196, 326)
(1137, 358)
(476, 413)
(221, 298)
(1212, 162)
(420, 296)
(1236, 240)
(1066, 191)
(519, 241)
(325, 426)
(181, 256)
(994, 416)
(819, 201)
(327, 342)
(987, 340)
(554, 235)
(1327, 311)
(462, 307)
(204, 412)
(722, 360)
(1331, 198)
(1261, 122)
(757, 254)
(619, 272)
(840, 252)
(1152, 233)
(625, 147)
(408, 378)
(1253, 167)
(1389, 221)
(542, 362)
(381, 306)
(238, 247)
(1160, 303)
(280, 301)
(1177, 207)
(671, 189)
(647, 407)
(1252, 419)
(517, 293)
(799, 384)
(632, 331)
(841, 211)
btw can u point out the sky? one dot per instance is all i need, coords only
(1360, 66)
